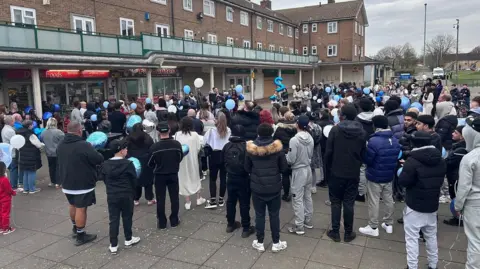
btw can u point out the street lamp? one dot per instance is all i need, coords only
(457, 26)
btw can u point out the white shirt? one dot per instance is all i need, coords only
(212, 138)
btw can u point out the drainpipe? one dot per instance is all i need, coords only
(251, 31)
(173, 19)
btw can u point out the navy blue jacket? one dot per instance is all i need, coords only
(396, 122)
(381, 156)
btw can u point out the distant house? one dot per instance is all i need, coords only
(466, 61)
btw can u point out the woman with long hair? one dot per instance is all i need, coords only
(139, 144)
(428, 99)
(52, 137)
(217, 138)
(172, 121)
(188, 179)
(275, 110)
(205, 113)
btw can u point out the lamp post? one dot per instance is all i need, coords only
(457, 26)
(425, 38)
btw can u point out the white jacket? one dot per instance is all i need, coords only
(298, 95)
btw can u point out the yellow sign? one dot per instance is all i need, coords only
(253, 75)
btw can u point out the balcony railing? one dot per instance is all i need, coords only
(46, 39)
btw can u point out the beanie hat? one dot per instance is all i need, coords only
(427, 120)
(396, 99)
(349, 112)
(420, 139)
(412, 115)
(365, 104)
(265, 130)
(380, 122)
(391, 105)
(459, 129)
(474, 123)
(266, 117)
(238, 130)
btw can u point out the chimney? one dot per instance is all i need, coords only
(331, 1)
(266, 4)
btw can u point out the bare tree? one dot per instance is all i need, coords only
(391, 54)
(409, 56)
(476, 50)
(440, 46)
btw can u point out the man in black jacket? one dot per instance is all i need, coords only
(365, 118)
(249, 119)
(343, 158)
(165, 159)
(425, 123)
(265, 162)
(77, 163)
(422, 176)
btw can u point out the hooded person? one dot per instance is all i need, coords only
(422, 176)
(343, 158)
(249, 119)
(90, 126)
(299, 157)
(444, 128)
(394, 113)
(365, 118)
(426, 123)
(467, 201)
(445, 107)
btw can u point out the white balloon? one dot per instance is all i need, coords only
(17, 141)
(424, 77)
(405, 92)
(198, 83)
(334, 112)
(309, 109)
(314, 98)
(294, 87)
(319, 101)
(172, 109)
(327, 129)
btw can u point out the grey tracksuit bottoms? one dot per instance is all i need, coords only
(375, 191)
(301, 182)
(413, 222)
(471, 224)
(362, 184)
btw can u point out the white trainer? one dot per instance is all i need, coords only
(314, 190)
(188, 205)
(367, 230)
(258, 246)
(387, 228)
(113, 250)
(132, 242)
(201, 201)
(281, 245)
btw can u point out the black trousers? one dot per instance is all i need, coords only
(216, 165)
(238, 192)
(52, 168)
(273, 204)
(204, 163)
(286, 182)
(342, 192)
(452, 184)
(120, 206)
(162, 182)
(148, 192)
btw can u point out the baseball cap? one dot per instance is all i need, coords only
(303, 121)
(163, 127)
(118, 145)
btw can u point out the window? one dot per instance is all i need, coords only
(188, 34)
(290, 50)
(212, 39)
(362, 28)
(163, 2)
(296, 51)
(230, 41)
(244, 18)
(281, 49)
(187, 5)
(259, 22)
(356, 27)
(162, 30)
(297, 33)
(314, 50)
(127, 27)
(229, 14)
(209, 8)
(305, 28)
(280, 29)
(361, 51)
(289, 31)
(332, 27)
(271, 47)
(23, 15)
(259, 45)
(332, 50)
(246, 44)
(314, 27)
(83, 24)
(269, 25)
(305, 50)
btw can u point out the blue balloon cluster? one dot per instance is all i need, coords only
(133, 106)
(47, 115)
(134, 119)
(98, 140)
(137, 164)
(241, 97)
(381, 93)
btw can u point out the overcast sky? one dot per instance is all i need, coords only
(394, 22)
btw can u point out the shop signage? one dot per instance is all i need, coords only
(142, 72)
(57, 74)
(245, 71)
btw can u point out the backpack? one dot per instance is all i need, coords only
(316, 133)
(234, 157)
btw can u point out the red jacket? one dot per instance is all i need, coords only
(6, 191)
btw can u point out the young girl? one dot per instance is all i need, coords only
(6, 193)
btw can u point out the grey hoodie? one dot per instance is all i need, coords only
(300, 151)
(468, 190)
(52, 138)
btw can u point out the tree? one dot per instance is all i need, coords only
(439, 46)
(409, 56)
(391, 54)
(476, 50)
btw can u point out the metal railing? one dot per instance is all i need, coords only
(57, 40)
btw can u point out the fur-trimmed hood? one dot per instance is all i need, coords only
(287, 125)
(272, 148)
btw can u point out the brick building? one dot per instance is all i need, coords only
(225, 42)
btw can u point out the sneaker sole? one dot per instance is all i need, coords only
(211, 206)
(308, 227)
(278, 250)
(260, 250)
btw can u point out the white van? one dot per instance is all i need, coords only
(438, 73)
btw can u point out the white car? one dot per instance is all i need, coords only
(438, 73)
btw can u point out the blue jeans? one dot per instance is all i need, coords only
(29, 180)
(16, 176)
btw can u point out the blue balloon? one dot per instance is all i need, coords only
(418, 106)
(378, 99)
(186, 89)
(381, 93)
(105, 104)
(38, 132)
(56, 107)
(328, 89)
(241, 97)
(133, 106)
(400, 155)
(336, 119)
(137, 164)
(336, 98)
(34, 124)
(273, 97)
(132, 120)
(6, 154)
(148, 101)
(452, 208)
(444, 153)
(98, 140)
(27, 109)
(230, 104)
(366, 91)
(405, 103)
(462, 121)
(47, 115)
(98, 109)
(93, 117)
(185, 149)
(399, 171)
(239, 88)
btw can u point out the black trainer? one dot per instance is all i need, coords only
(349, 237)
(221, 202)
(211, 204)
(335, 236)
(84, 238)
(232, 228)
(287, 198)
(74, 232)
(453, 222)
(247, 233)
(360, 198)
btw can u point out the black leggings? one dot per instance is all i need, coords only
(148, 192)
(216, 165)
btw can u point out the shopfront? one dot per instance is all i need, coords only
(236, 76)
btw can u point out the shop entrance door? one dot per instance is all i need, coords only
(268, 87)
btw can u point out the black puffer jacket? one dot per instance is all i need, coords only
(30, 157)
(422, 176)
(284, 132)
(249, 120)
(453, 160)
(436, 140)
(265, 161)
(445, 127)
(396, 122)
(120, 178)
(405, 141)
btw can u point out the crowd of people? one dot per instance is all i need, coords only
(375, 145)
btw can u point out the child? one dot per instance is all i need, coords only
(6, 193)
(120, 180)
(238, 183)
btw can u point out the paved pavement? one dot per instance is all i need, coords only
(42, 240)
